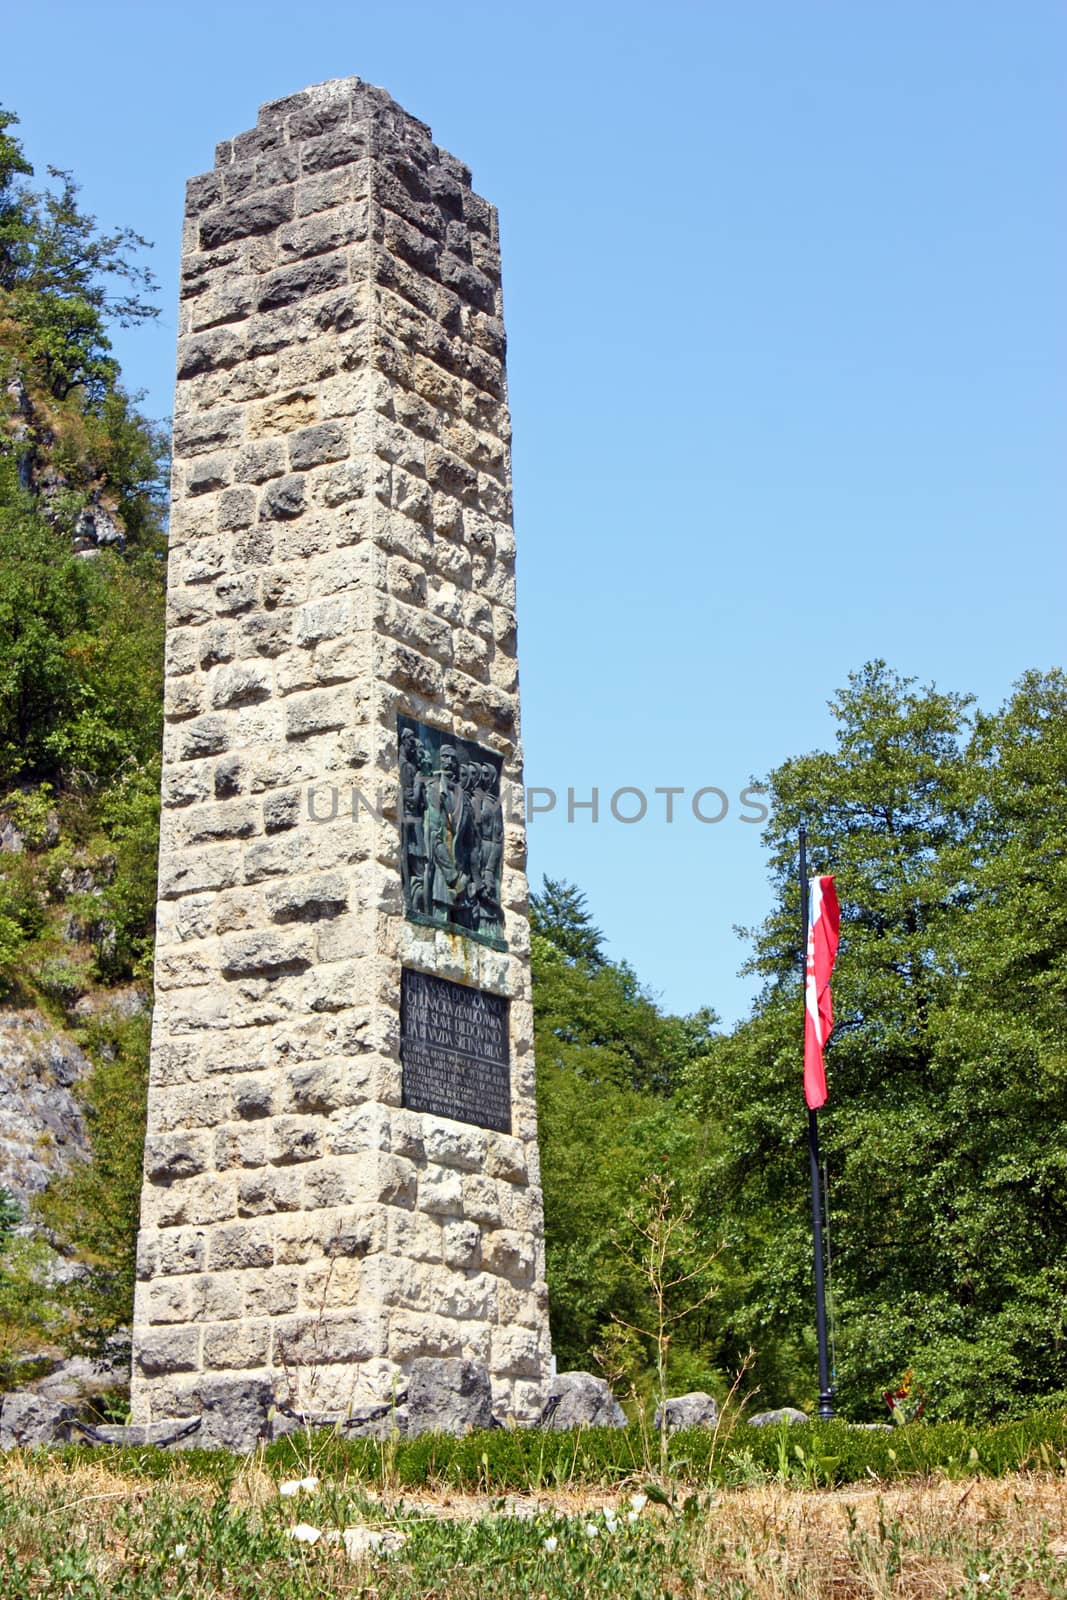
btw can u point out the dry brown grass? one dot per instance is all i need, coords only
(925, 1540)
(914, 1540)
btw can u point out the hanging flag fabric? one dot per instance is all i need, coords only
(823, 925)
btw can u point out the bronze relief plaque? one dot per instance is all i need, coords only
(451, 832)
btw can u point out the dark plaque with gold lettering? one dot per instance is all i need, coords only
(454, 1051)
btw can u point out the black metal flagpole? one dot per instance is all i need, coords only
(826, 1393)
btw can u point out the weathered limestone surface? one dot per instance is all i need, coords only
(341, 552)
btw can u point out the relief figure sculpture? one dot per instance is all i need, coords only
(413, 763)
(451, 832)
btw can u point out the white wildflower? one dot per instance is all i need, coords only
(984, 1577)
(179, 1550)
(295, 1485)
(639, 1502)
(305, 1533)
(633, 1516)
(551, 1543)
(592, 1531)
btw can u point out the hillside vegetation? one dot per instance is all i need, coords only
(946, 1133)
(81, 637)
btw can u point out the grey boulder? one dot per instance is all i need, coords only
(27, 1420)
(577, 1400)
(695, 1410)
(769, 1419)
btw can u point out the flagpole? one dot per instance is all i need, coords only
(826, 1393)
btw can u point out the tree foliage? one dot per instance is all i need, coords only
(608, 1059)
(946, 1133)
(62, 280)
(81, 654)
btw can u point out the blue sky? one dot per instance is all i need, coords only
(784, 297)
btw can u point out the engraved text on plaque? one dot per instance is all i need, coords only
(454, 1051)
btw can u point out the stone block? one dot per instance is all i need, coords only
(257, 463)
(454, 1144)
(366, 1128)
(160, 1350)
(415, 1333)
(311, 447)
(183, 1250)
(414, 1235)
(259, 214)
(447, 1396)
(243, 684)
(268, 1190)
(298, 282)
(230, 1345)
(283, 498)
(172, 1156)
(206, 473)
(507, 1252)
(295, 1139)
(238, 1246)
(322, 711)
(517, 1353)
(281, 810)
(332, 1284)
(300, 1237)
(440, 1193)
(481, 1200)
(462, 1244)
(216, 1297)
(265, 951)
(343, 148)
(234, 1413)
(311, 1340)
(272, 1294)
(307, 899)
(505, 1158)
(194, 1202)
(274, 857)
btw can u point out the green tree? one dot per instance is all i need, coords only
(29, 1315)
(56, 275)
(80, 658)
(559, 914)
(934, 1136)
(607, 1062)
(92, 1211)
(81, 648)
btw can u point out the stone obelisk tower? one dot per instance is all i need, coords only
(341, 1174)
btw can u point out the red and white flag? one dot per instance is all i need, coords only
(823, 925)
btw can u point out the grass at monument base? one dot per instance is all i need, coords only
(505, 1460)
(946, 1512)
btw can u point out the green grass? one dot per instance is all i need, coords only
(506, 1461)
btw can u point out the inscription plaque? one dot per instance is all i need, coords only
(451, 832)
(454, 1051)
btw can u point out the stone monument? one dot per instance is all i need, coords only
(341, 1199)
